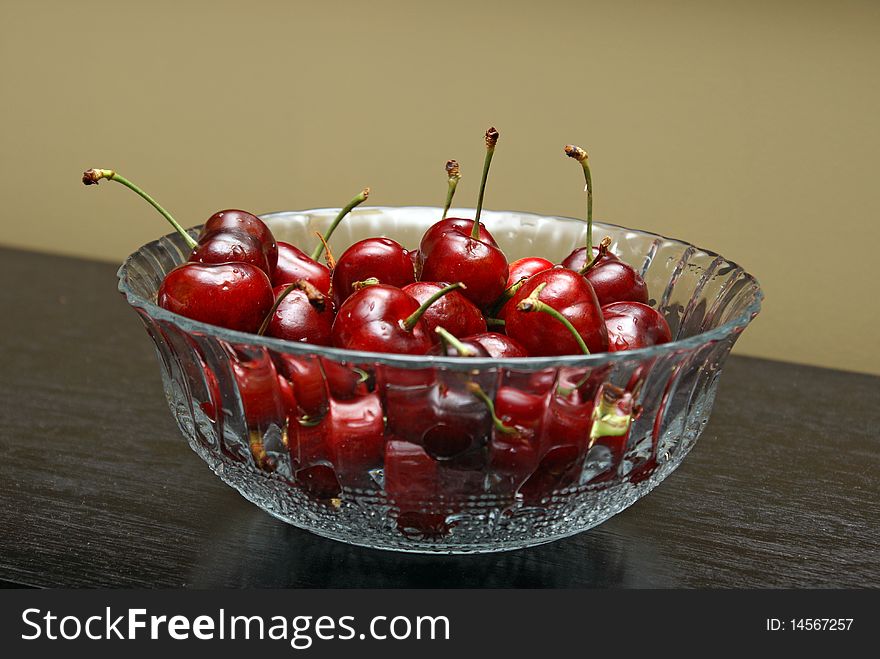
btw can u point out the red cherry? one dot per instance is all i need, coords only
(612, 279)
(463, 250)
(435, 231)
(380, 258)
(316, 380)
(577, 260)
(519, 408)
(565, 438)
(222, 246)
(294, 264)
(515, 454)
(457, 424)
(236, 296)
(568, 296)
(567, 422)
(230, 294)
(228, 236)
(633, 325)
(449, 423)
(265, 401)
(473, 228)
(356, 441)
(237, 221)
(456, 256)
(453, 311)
(615, 281)
(302, 314)
(382, 318)
(525, 268)
(497, 345)
(405, 407)
(308, 384)
(345, 381)
(442, 417)
(372, 319)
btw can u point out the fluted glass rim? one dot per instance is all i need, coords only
(723, 331)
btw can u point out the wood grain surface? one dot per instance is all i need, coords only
(98, 487)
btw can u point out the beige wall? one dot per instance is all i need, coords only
(750, 128)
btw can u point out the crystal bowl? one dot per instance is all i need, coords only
(355, 457)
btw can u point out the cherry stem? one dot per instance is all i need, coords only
(511, 290)
(508, 293)
(491, 141)
(316, 299)
(369, 281)
(454, 172)
(581, 156)
(567, 391)
(444, 344)
(609, 420)
(495, 322)
(357, 201)
(602, 251)
(328, 255)
(451, 339)
(532, 303)
(414, 317)
(477, 391)
(92, 176)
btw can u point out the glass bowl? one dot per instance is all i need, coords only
(396, 452)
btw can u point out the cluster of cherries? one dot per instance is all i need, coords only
(442, 298)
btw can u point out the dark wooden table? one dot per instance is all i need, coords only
(98, 487)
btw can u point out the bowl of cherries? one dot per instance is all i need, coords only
(444, 381)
